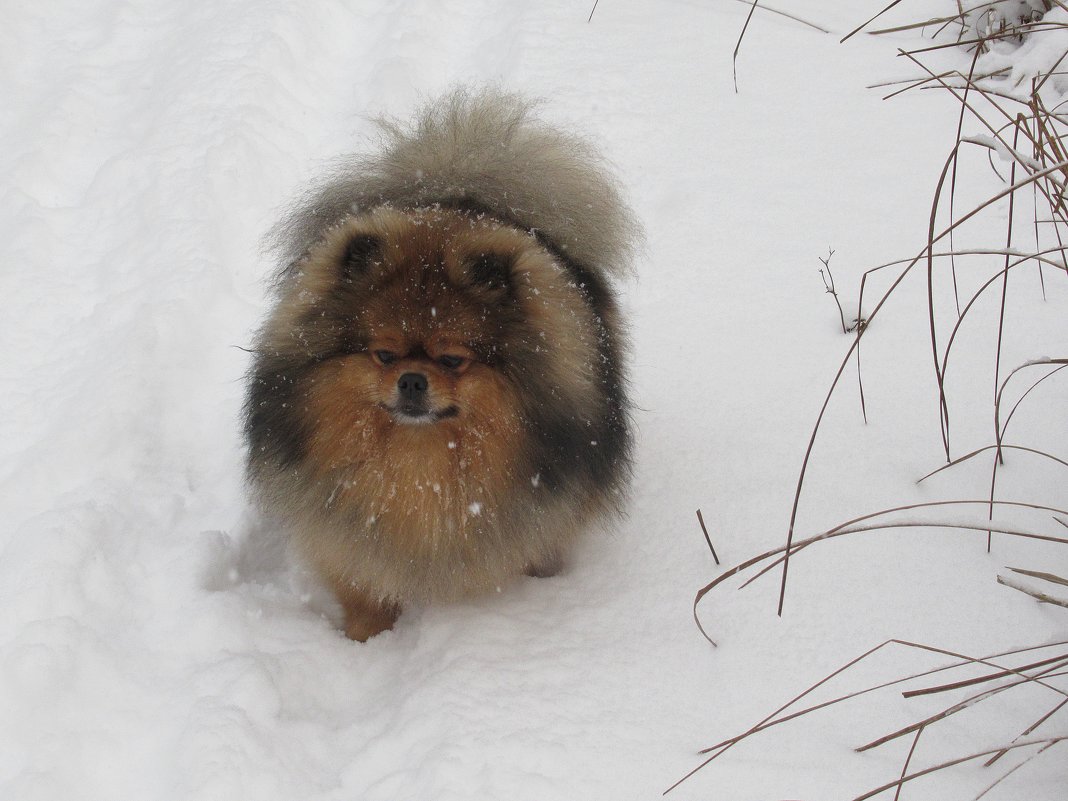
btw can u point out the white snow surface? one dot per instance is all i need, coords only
(157, 642)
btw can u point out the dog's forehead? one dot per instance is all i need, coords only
(425, 282)
(422, 305)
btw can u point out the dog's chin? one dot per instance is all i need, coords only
(419, 416)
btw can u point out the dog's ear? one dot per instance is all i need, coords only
(491, 271)
(360, 253)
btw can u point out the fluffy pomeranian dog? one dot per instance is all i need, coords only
(437, 400)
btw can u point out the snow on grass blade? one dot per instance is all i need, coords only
(1038, 595)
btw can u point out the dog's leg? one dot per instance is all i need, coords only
(365, 616)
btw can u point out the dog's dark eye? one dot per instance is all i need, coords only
(451, 362)
(385, 356)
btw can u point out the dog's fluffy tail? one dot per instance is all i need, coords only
(489, 149)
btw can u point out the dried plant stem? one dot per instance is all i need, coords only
(853, 526)
(860, 332)
(999, 429)
(953, 178)
(924, 83)
(1038, 595)
(828, 285)
(1005, 275)
(948, 712)
(1024, 258)
(959, 760)
(977, 295)
(780, 13)
(773, 719)
(1029, 730)
(943, 404)
(1018, 158)
(708, 539)
(1038, 574)
(999, 459)
(908, 761)
(943, 21)
(752, 9)
(1037, 156)
(859, 28)
(995, 133)
(1037, 159)
(986, 448)
(738, 46)
(1057, 661)
(1012, 770)
(839, 529)
(984, 40)
(1041, 257)
(727, 744)
(902, 524)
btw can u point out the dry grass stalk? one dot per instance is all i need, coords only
(960, 661)
(828, 285)
(753, 4)
(1038, 574)
(860, 332)
(961, 706)
(788, 15)
(1021, 129)
(1038, 595)
(985, 448)
(1027, 732)
(860, 524)
(1008, 773)
(708, 539)
(1044, 172)
(1046, 742)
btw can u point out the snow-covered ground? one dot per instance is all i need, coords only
(156, 643)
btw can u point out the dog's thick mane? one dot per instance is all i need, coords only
(488, 150)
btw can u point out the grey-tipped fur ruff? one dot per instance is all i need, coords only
(486, 148)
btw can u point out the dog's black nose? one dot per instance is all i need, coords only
(412, 386)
